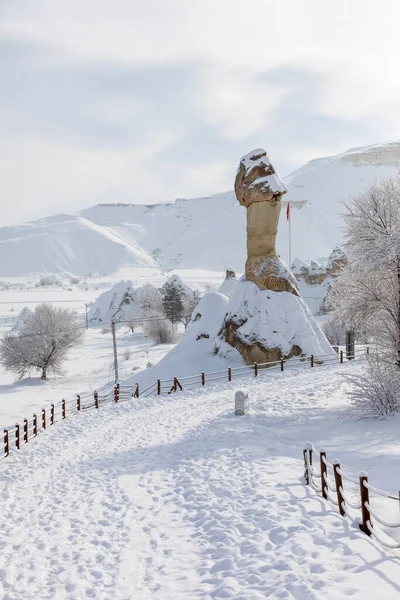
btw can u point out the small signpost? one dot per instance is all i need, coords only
(241, 402)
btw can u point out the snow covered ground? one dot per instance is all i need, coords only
(175, 497)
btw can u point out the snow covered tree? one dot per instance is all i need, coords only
(172, 302)
(334, 330)
(366, 295)
(43, 343)
(150, 300)
(190, 301)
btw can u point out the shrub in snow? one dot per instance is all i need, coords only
(160, 331)
(376, 393)
(74, 280)
(127, 354)
(48, 280)
(43, 343)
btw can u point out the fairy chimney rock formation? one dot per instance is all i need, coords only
(260, 189)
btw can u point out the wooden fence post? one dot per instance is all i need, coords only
(339, 486)
(136, 394)
(6, 446)
(158, 387)
(364, 494)
(96, 399)
(52, 414)
(306, 478)
(17, 435)
(25, 431)
(35, 425)
(78, 402)
(282, 364)
(255, 369)
(229, 374)
(312, 360)
(341, 357)
(203, 379)
(43, 418)
(116, 393)
(324, 482)
(63, 408)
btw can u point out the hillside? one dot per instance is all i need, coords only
(200, 233)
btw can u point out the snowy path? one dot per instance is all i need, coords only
(176, 498)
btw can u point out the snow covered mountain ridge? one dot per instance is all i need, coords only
(202, 233)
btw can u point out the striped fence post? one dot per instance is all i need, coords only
(96, 399)
(158, 387)
(322, 458)
(312, 360)
(43, 418)
(203, 379)
(17, 435)
(339, 486)
(52, 414)
(78, 402)
(25, 431)
(229, 374)
(255, 369)
(6, 445)
(63, 411)
(35, 425)
(365, 514)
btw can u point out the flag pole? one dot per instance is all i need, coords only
(289, 218)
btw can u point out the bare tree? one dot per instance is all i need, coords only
(334, 330)
(160, 331)
(43, 343)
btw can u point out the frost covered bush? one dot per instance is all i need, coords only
(160, 331)
(376, 392)
(43, 342)
(48, 280)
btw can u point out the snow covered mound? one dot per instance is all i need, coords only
(195, 353)
(201, 233)
(22, 319)
(228, 286)
(266, 325)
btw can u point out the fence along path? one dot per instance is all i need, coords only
(15, 437)
(349, 493)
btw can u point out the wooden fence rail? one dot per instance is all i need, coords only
(322, 484)
(118, 393)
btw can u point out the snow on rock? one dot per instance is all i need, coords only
(228, 286)
(265, 326)
(22, 319)
(112, 305)
(195, 353)
(176, 280)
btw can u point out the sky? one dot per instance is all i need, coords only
(147, 101)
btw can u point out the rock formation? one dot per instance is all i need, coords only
(260, 189)
(266, 319)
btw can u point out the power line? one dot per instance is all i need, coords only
(155, 318)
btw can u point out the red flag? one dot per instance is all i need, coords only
(288, 211)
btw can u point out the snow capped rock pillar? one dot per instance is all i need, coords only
(266, 319)
(260, 189)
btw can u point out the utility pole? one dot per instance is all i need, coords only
(115, 351)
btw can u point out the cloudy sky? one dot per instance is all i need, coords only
(150, 100)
